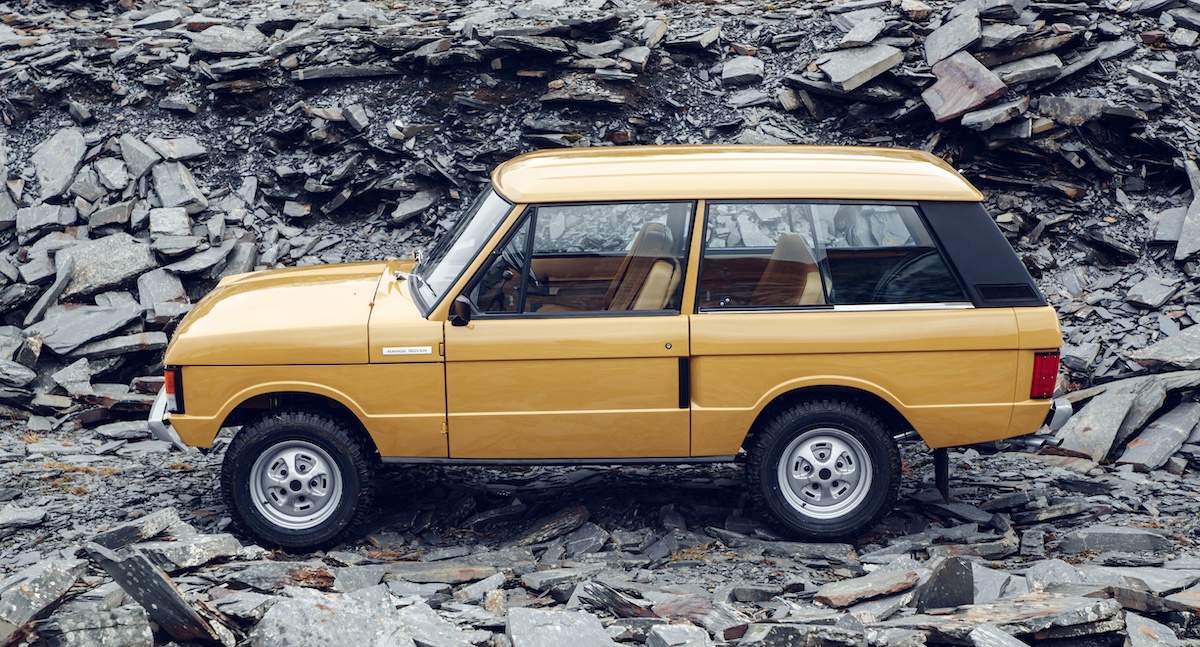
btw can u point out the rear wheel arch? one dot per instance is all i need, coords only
(875, 404)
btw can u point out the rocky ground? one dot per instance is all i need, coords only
(148, 150)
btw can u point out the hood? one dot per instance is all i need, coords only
(307, 315)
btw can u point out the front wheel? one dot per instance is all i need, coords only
(825, 469)
(297, 479)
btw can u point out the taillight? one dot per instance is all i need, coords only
(173, 386)
(1045, 375)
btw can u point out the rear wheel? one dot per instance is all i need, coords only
(824, 469)
(297, 479)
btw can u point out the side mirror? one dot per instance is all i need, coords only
(460, 311)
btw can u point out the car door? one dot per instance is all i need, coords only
(576, 346)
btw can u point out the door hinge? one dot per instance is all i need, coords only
(445, 428)
(441, 349)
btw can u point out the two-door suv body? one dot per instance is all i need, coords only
(634, 304)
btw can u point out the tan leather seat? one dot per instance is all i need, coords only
(648, 275)
(792, 276)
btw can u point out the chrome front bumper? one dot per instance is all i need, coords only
(1060, 413)
(162, 429)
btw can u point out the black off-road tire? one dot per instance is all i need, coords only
(297, 445)
(799, 497)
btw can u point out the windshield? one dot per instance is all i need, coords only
(442, 266)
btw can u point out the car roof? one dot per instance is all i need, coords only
(689, 172)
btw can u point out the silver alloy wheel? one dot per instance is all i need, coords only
(295, 484)
(824, 473)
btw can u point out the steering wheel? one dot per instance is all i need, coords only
(514, 258)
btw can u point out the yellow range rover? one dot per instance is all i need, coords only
(655, 304)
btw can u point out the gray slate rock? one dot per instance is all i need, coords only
(1144, 632)
(67, 330)
(414, 206)
(160, 20)
(851, 68)
(27, 593)
(45, 216)
(170, 221)
(1181, 350)
(105, 263)
(1159, 441)
(553, 628)
(677, 636)
(127, 626)
(14, 374)
(190, 551)
(178, 148)
(138, 156)
(803, 635)
(317, 620)
(742, 70)
(57, 161)
(12, 517)
(112, 173)
(877, 583)
(951, 584)
(177, 188)
(1104, 538)
(428, 629)
(1151, 292)
(223, 40)
(1093, 430)
(953, 37)
(989, 635)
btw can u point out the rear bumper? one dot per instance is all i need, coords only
(159, 426)
(1060, 413)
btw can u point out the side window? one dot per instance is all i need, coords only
(582, 258)
(789, 254)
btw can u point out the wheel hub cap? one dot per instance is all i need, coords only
(295, 484)
(824, 473)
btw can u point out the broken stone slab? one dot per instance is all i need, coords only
(45, 216)
(118, 346)
(57, 161)
(952, 37)
(1144, 632)
(1151, 292)
(1189, 234)
(951, 583)
(139, 529)
(129, 430)
(313, 619)
(154, 590)
(177, 188)
(864, 32)
(170, 221)
(105, 263)
(164, 19)
(982, 120)
(425, 627)
(989, 635)
(128, 626)
(191, 551)
(1018, 616)
(742, 70)
(1162, 438)
(67, 330)
(551, 526)
(1028, 70)
(553, 628)
(875, 584)
(851, 68)
(12, 517)
(14, 374)
(963, 85)
(177, 148)
(27, 593)
(1092, 431)
(117, 214)
(999, 35)
(222, 40)
(831, 553)
(1181, 350)
(414, 206)
(677, 635)
(63, 274)
(803, 635)
(138, 156)
(443, 572)
(209, 259)
(1102, 538)
(1071, 111)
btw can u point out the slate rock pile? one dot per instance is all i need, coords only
(125, 548)
(150, 149)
